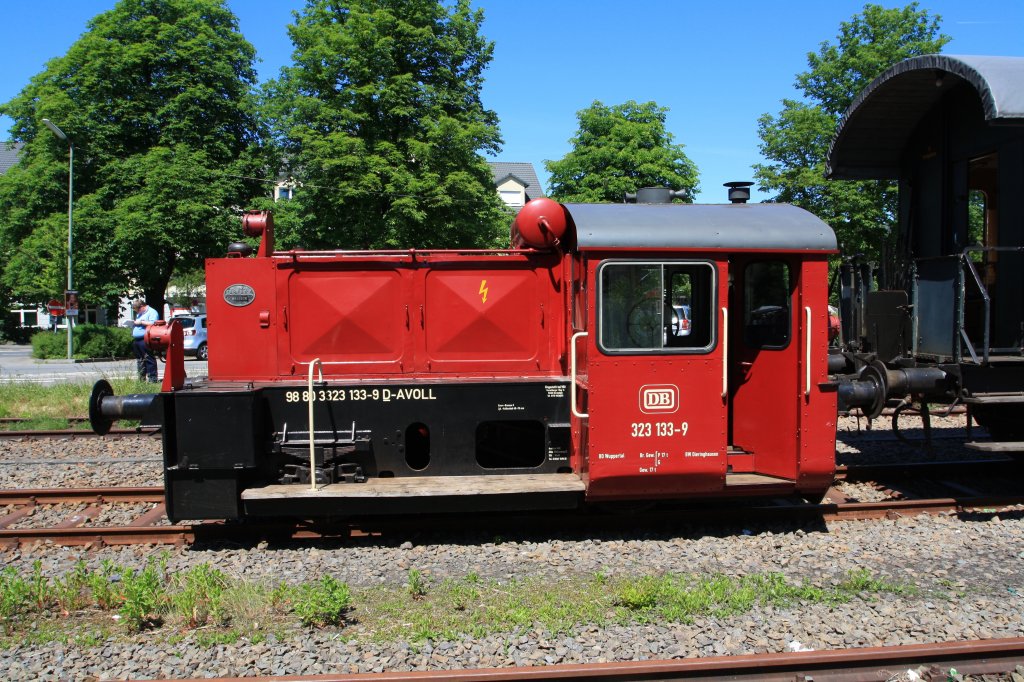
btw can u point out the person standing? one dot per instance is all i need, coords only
(144, 359)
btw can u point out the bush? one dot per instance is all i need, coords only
(145, 597)
(103, 342)
(105, 585)
(10, 331)
(197, 595)
(89, 341)
(49, 345)
(15, 596)
(323, 603)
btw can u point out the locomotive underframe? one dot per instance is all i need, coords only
(230, 441)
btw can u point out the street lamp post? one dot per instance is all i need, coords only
(71, 193)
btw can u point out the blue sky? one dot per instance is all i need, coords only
(716, 66)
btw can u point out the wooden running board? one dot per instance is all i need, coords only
(427, 486)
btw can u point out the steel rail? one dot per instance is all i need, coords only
(74, 495)
(22, 420)
(919, 470)
(845, 665)
(255, 531)
(77, 433)
(897, 508)
(100, 535)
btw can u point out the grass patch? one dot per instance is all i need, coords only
(49, 407)
(471, 607)
(862, 584)
(322, 603)
(88, 607)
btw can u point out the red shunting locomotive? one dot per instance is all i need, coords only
(615, 352)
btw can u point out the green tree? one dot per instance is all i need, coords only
(380, 119)
(797, 140)
(157, 98)
(620, 149)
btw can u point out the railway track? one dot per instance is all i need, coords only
(942, 660)
(75, 433)
(151, 527)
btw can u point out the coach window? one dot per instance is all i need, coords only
(767, 317)
(664, 307)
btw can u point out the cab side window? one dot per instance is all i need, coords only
(657, 307)
(767, 317)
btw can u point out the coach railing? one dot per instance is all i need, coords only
(968, 266)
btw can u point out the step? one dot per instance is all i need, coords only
(427, 486)
(751, 480)
(421, 494)
(1014, 398)
(996, 446)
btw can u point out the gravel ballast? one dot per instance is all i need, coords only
(968, 572)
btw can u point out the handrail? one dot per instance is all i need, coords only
(312, 452)
(725, 353)
(988, 308)
(807, 358)
(964, 257)
(572, 376)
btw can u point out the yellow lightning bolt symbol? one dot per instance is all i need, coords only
(483, 290)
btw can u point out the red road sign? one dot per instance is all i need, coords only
(55, 307)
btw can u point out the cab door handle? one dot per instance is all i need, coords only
(572, 375)
(725, 353)
(807, 358)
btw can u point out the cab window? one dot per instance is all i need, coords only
(661, 307)
(767, 318)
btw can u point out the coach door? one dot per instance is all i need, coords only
(655, 393)
(765, 362)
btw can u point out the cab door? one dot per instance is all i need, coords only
(765, 364)
(656, 407)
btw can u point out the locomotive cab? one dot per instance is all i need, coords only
(737, 403)
(544, 376)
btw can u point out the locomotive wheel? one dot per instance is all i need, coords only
(1003, 422)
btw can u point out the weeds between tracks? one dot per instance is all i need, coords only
(89, 606)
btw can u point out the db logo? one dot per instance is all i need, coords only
(656, 398)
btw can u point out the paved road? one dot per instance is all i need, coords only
(17, 364)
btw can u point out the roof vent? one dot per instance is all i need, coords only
(739, 192)
(655, 195)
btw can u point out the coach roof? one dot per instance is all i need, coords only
(877, 125)
(758, 227)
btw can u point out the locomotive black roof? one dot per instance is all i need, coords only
(777, 227)
(875, 129)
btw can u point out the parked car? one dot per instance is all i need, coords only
(681, 320)
(194, 327)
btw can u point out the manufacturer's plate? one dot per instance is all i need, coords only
(239, 295)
